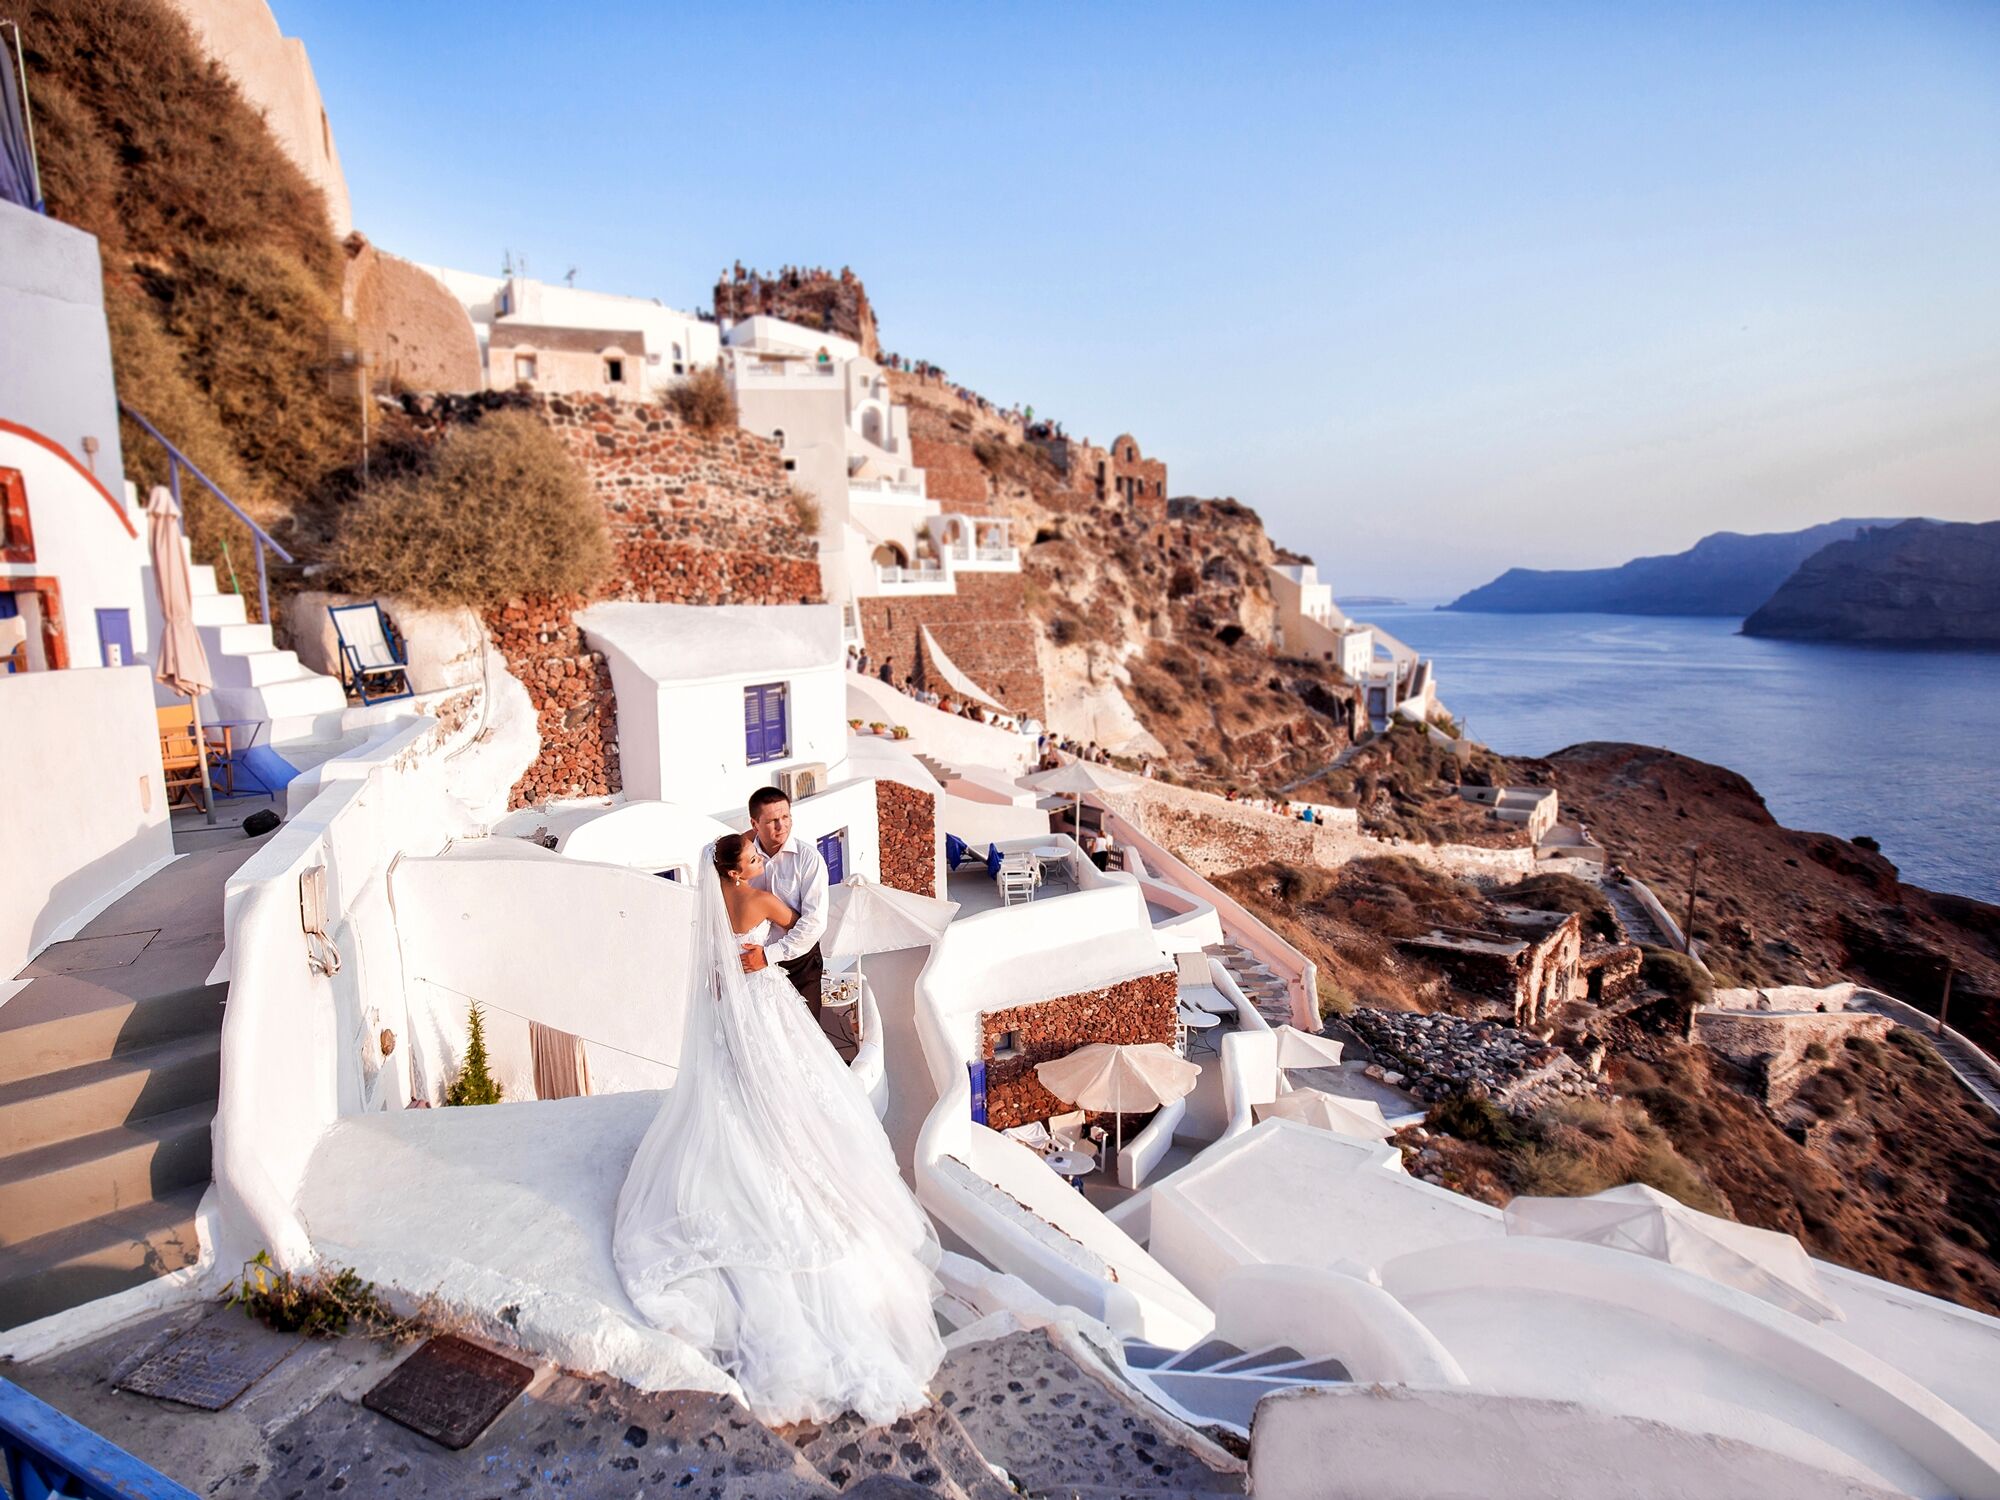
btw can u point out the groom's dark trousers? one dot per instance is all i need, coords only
(805, 972)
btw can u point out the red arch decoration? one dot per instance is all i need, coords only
(67, 457)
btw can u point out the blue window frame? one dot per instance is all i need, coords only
(833, 850)
(766, 723)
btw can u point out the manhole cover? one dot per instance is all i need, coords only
(211, 1364)
(449, 1390)
(79, 955)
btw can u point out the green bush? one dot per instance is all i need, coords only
(494, 511)
(1480, 1121)
(1334, 999)
(321, 1303)
(1677, 975)
(474, 1084)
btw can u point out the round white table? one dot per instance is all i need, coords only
(1198, 1020)
(1072, 1164)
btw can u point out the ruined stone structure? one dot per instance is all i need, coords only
(1014, 1040)
(1525, 968)
(694, 518)
(984, 628)
(906, 822)
(1781, 1050)
(1096, 475)
(837, 303)
(414, 332)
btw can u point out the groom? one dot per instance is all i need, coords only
(796, 875)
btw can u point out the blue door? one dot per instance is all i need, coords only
(832, 849)
(765, 732)
(114, 637)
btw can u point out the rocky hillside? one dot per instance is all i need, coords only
(1154, 621)
(1722, 574)
(1920, 583)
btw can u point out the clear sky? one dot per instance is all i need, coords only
(1439, 289)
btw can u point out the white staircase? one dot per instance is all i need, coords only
(255, 680)
(1261, 987)
(1216, 1384)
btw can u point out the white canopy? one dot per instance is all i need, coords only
(1076, 777)
(1647, 1222)
(1104, 1076)
(956, 679)
(1302, 1049)
(864, 916)
(1360, 1118)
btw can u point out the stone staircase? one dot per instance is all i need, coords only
(253, 678)
(1216, 1384)
(1260, 985)
(109, 1067)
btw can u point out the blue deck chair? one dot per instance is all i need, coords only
(372, 662)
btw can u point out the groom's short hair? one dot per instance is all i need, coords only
(762, 798)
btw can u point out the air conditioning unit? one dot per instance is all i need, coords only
(801, 782)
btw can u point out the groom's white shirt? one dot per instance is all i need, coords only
(796, 875)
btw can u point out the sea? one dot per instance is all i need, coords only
(1899, 744)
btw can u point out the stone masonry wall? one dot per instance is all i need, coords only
(1132, 1011)
(953, 474)
(1774, 1047)
(984, 628)
(694, 518)
(906, 821)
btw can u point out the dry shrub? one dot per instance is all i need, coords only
(704, 401)
(805, 511)
(499, 510)
(1564, 893)
(1583, 1146)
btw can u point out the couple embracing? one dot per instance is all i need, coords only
(763, 1218)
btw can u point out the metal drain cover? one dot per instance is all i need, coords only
(114, 950)
(449, 1390)
(211, 1364)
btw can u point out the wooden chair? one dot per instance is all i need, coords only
(180, 754)
(372, 659)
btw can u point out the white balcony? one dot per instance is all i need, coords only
(919, 580)
(879, 491)
(764, 374)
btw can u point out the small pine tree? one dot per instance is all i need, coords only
(474, 1085)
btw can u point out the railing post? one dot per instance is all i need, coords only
(263, 589)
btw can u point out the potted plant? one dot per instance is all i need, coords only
(899, 733)
(877, 727)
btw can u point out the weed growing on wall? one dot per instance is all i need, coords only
(493, 511)
(703, 401)
(324, 1302)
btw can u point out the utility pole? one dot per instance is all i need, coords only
(1944, 1003)
(1694, 877)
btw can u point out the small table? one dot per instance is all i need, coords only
(1072, 1164)
(1051, 854)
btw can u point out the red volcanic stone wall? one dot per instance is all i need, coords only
(984, 628)
(1139, 481)
(906, 820)
(953, 474)
(1129, 1012)
(815, 298)
(570, 687)
(694, 518)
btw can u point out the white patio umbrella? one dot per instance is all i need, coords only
(1647, 1222)
(1106, 1076)
(1074, 778)
(1302, 1049)
(1360, 1118)
(179, 660)
(864, 916)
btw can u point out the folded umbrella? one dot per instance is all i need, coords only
(1360, 1118)
(1302, 1049)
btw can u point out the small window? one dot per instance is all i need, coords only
(524, 367)
(766, 724)
(791, 466)
(1007, 1045)
(678, 874)
(614, 372)
(833, 850)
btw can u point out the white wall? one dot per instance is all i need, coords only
(56, 376)
(83, 539)
(83, 807)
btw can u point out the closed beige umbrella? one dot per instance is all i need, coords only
(1104, 1076)
(178, 658)
(1302, 1049)
(1360, 1118)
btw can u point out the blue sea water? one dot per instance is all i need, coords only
(1900, 744)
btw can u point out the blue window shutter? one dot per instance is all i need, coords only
(753, 724)
(765, 736)
(830, 852)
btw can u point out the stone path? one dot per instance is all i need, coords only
(301, 1432)
(1637, 922)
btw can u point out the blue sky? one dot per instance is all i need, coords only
(1439, 289)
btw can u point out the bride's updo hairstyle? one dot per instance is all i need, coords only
(729, 854)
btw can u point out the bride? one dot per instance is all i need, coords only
(763, 1219)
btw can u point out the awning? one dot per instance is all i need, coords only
(960, 684)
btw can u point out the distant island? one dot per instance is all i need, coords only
(1921, 583)
(1365, 599)
(1722, 574)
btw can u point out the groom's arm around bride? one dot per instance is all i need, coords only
(795, 873)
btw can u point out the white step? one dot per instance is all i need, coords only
(254, 668)
(201, 579)
(306, 695)
(235, 640)
(219, 609)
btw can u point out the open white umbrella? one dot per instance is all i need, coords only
(864, 916)
(1105, 1076)
(1302, 1049)
(1647, 1222)
(1073, 779)
(178, 658)
(1360, 1118)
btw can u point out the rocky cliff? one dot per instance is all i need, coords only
(1722, 574)
(1920, 583)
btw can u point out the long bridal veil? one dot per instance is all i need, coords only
(763, 1217)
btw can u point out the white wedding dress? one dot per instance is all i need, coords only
(763, 1218)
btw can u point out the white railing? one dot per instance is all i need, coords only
(908, 575)
(756, 367)
(999, 554)
(885, 487)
